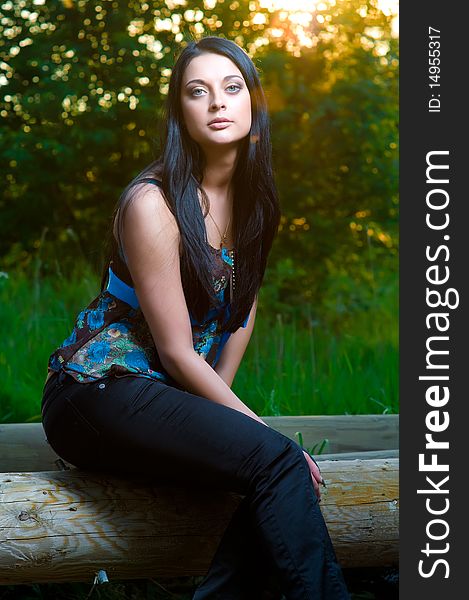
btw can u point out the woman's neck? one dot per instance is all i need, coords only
(218, 173)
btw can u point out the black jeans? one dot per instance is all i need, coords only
(135, 426)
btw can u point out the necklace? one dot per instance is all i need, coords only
(222, 237)
(232, 276)
(231, 253)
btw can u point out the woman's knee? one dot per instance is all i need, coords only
(274, 452)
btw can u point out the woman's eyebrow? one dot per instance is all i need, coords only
(201, 81)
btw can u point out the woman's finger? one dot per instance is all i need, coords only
(314, 468)
(315, 474)
(316, 487)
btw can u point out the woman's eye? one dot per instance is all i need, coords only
(233, 87)
(197, 92)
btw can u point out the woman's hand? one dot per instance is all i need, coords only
(315, 474)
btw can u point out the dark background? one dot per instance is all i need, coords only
(420, 133)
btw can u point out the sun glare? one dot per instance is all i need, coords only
(389, 7)
(295, 19)
(290, 5)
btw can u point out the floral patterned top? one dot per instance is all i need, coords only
(111, 335)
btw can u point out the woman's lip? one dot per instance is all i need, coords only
(220, 124)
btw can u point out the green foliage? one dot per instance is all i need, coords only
(316, 449)
(82, 86)
(34, 315)
(82, 105)
(336, 366)
(289, 368)
(336, 130)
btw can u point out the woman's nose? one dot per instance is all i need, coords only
(217, 104)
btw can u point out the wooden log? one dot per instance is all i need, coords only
(23, 446)
(367, 455)
(63, 526)
(345, 433)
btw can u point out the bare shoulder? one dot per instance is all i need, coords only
(148, 215)
(147, 200)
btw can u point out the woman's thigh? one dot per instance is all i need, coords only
(134, 425)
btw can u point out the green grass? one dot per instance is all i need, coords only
(288, 369)
(293, 371)
(35, 316)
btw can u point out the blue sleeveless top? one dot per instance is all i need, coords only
(111, 336)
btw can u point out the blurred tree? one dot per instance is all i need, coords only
(335, 120)
(83, 85)
(86, 83)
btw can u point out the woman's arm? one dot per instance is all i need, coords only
(151, 242)
(234, 349)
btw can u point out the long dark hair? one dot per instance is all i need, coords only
(256, 212)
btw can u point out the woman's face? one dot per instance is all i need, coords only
(215, 100)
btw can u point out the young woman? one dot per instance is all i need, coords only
(142, 385)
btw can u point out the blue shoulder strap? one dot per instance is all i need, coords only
(152, 180)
